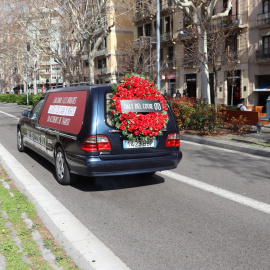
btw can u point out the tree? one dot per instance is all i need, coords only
(201, 13)
(91, 22)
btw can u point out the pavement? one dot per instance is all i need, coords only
(252, 143)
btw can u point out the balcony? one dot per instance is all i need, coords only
(227, 22)
(187, 32)
(143, 13)
(43, 72)
(101, 71)
(262, 56)
(169, 63)
(166, 37)
(188, 62)
(151, 10)
(101, 52)
(263, 20)
(167, 4)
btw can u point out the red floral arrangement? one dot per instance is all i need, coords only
(136, 125)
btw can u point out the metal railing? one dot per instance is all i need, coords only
(103, 51)
(262, 55)
(189, 62)
(187, 32)
(263, 19)
(169, 63)
(100, 71)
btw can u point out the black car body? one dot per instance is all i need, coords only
(72, 128)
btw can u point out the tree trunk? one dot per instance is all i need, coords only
(203, 56)
(65, 78)
(91, 62)
(35, 85)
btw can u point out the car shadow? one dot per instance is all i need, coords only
(88, 184)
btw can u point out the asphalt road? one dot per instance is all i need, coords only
(161, 223)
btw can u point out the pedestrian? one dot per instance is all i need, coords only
(241, 106)
(178, 94)
(185, 93)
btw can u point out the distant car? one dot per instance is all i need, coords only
(73, 129)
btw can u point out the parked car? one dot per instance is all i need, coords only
(73, 129)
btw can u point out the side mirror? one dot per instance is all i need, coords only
(26, 113)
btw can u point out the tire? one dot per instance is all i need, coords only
(63, 175)
(20, 145)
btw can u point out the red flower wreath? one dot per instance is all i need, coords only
(134, 125)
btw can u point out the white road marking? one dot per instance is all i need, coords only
(87, 251)
(10, 115)
(264, 207)
(224, 149)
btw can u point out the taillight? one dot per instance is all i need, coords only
(173, 140)
(103, 143)
(96, 143)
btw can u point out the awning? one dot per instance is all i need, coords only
(263, 88)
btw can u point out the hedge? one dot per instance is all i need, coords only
(20, 99)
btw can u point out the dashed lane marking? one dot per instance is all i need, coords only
(10, 115)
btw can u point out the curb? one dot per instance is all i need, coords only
(226, 145)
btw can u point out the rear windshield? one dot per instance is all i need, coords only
(109, 117)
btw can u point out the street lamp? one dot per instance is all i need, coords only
(158, 43)
(26, 71)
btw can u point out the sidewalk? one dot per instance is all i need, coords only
(252, 143)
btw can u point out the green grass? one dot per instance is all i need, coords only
(14, 207)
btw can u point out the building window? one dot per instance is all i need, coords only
(148, 30)
(266, 45)
(170, 52)
(140, 31)
(266, 6)
(101, 63)
(168, 24)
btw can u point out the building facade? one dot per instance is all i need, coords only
(259, 44)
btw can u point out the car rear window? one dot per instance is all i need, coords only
(109, 117)
(64, 111)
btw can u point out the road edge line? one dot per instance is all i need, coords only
(87, 251)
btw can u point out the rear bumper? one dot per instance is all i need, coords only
(94, 166)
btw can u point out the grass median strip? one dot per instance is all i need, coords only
(25, 243)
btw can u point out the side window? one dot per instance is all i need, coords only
(109, 117)
(36, 110)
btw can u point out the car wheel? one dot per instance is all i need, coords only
(20, 145)
(63, 175)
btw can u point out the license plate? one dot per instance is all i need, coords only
(139, 144)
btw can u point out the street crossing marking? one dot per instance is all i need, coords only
(10, 115)
(263, 207)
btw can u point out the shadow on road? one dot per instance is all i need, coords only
(116, 182)
(88, 184)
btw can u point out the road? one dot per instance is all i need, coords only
(170, 221)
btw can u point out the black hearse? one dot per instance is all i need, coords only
(73, 129)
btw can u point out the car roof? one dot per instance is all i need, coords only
(79, 88)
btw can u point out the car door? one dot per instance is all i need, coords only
(33, 135)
